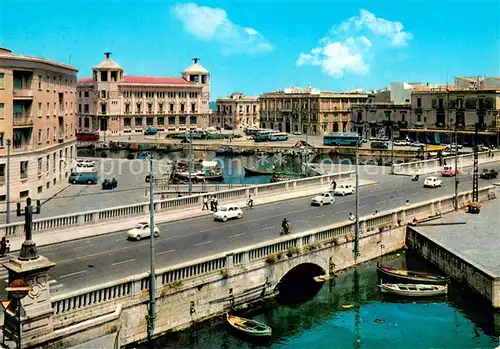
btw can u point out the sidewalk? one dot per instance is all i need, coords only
(437, 168)
(89, 230)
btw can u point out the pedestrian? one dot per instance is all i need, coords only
(3, 247)
(351, 217)
(212, 203)
(334, 185)
(445, 162)
(407, 203)
(216, 203)
(250, 201)
(205, 203)
(376, 212)
(7, 250)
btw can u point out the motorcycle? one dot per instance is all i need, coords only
(250, 203)
(415, 178)
(285, 230)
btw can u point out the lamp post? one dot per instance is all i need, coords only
(152, 274)
(7, 215)
(190, 163)
(356, 228)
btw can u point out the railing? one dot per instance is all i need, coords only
(121, 212)
(22, 121)
(464, 160)
(135, 286)
(22, 92)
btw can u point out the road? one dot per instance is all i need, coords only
(105, 258)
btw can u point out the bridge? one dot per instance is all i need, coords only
(194, 289)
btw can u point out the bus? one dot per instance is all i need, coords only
(252, 131)
(87, 136)
(278, 136)
(263, 135)
(347, 139)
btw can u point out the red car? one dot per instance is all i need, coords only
(449, 171)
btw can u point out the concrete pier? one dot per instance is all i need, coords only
(469, 252)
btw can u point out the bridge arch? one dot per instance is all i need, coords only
(298, 284)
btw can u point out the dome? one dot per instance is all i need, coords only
(195, 68)
(108, 63)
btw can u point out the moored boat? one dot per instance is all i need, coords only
(250, 172)
(248, 327)
(171, 149)
(414, 290)
(411, 276)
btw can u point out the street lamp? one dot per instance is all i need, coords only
(152, 273)
(190, 162)
(7, 216)
(356, 231)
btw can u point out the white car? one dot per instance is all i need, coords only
(433, 182)
(141, 230)
(417, 144)
(227, 212)
(344, 189)
(401, 143)
(321, 199)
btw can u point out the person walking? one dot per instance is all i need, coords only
(212, 203)
(216, 203)
(250, 201)
(205, 203)
(351, 217)
(334, 185)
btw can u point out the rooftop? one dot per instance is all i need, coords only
(195, 68)
(7, 54)
(108, 63)
(477, 241)
(146, 80)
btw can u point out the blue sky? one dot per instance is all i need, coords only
(254, 46)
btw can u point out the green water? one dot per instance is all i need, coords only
(458, 320)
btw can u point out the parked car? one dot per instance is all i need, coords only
(142, 230)
(227, 212)
(401, 143)
(482, 147)
(379, 145)
(321, 199)
(297, 133)
(488, 174)
(433, 182)
(449, 171)
(344, 189)
(151, 131)
(109, 183)
(83, 178)
(417, 144)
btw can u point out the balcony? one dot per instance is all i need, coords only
(60, 137)
(24, 93)
(22, 121)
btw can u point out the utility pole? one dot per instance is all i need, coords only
(392, 143)
(455, 135)
(7, 215)
(152, 273)
(356, 228)
(190, 163)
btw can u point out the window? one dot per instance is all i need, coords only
(47, 82)
(193, 107)
(40, 110)
(182, 107)
(127, 122)
(104, 76)
(103, 93)
(48, 134)
(2, 173)
(160, 121)
(1, 111)
(149, 121)
(40, 189)
(182, 120)
(138, 108)
(160, 107)
(86, 108)
(47, 164)
(40, 165)
(1, 139)
(23, 171)
(79, 108)
(150, 108)
(192, 120)
(171, 107)
(171, 120)
(24, 194)
(127, 108)
(138, 121)
(419, 102)
(39, 82)
(48, 109)
(103, 109)
(39, 136)
(86, 94)
(2, 83)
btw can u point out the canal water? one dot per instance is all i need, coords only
(458, 320)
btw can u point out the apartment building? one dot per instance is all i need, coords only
(115, 103)
(237, 111)
(308, 110)
(37, 126)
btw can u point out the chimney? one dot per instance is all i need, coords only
(107, 54)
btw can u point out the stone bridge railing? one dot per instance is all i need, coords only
(72, 307)
(118, 213)
(426, 166)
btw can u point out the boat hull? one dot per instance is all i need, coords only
(414, 290)
(253, 173)
(248, 327)
(391, 275)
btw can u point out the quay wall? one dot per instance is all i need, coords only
(478, 279)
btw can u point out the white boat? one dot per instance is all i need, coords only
(414, 290)
(249, 327)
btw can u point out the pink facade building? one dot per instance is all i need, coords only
(117, 104)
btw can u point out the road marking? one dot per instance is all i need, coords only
(398, 197)
(363, 206)
(68, 275)
(319, 216)
(414, 194)
(295, 221)
(203, 243)
(56, 286)
(122, 262)
(267, 228)
(164, 252)
(236, 235)
(342, 211)
(380, 202)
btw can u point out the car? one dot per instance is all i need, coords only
(449, 171)
(488, 174)
(482, 147)
(433, 182)
(401, 143)
(151, 131)
(109, 183)
(297, 133)
(379, 145)
(142, 230)
(83, 178)
(417, 145)
(321, 199)
(344, 189)
(227, 212)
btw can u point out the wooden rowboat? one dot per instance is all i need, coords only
(249, 327)
(414, 290)
(399, 275)
(250, 172)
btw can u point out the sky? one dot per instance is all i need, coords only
(257, 46)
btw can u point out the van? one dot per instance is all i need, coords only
(83, 178)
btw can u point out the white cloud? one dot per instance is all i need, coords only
(347, 46)
(213, 24)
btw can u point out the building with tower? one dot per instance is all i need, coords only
(113, 103)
